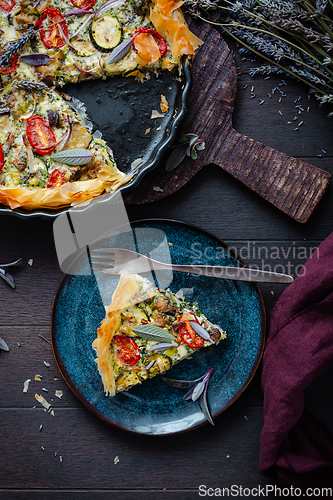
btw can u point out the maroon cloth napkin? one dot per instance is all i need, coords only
(295, 448)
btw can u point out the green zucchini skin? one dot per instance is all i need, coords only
(97, 41)
(162, 364)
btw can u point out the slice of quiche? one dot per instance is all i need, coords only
(145, 332)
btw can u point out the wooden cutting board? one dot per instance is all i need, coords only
(293, 186)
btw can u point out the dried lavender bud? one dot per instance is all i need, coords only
(13, 47)
(30, 85)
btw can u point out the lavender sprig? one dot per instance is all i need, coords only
(30, 85)
(12, 48)
(293, 37)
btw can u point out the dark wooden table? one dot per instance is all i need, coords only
(156, 467)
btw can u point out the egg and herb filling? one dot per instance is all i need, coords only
(145, 332)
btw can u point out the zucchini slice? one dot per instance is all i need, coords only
(105, 33)
(162, 363)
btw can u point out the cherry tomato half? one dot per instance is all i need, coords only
(6, 5)
(40, 135)
(56, 179)
(162, 46)
(2, 158)
(188, 335)
(126, 350)
(49, 27)
(10, 67)
(83, 4)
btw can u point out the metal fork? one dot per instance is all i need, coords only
(114, 260)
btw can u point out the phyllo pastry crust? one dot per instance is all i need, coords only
(145, 332)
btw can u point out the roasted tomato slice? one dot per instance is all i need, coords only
(52, 26)
(126, 350)
(2, 158)
(162, 46)
(188, 335)
(10, 67)
(84, 4)
(40, 135)
(56, 179)
(6, 5)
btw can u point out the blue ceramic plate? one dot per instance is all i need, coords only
(154, 407)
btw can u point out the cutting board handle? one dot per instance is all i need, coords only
(293, 186)
(280, 179)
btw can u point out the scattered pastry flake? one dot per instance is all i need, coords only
(38, 378)
(136, 163)
(43, 448)
(59, 394)
(42, 401)
(170, 244)
(246, 417)
(40, 427)
(147, 131)
(52, 413)
(55, 379)
(157, 188)
(164, 104)
(47, 364)
(30, 262)
(156, 114)
(26, 385)
(60, 458)
(116, 460)
(159, 128)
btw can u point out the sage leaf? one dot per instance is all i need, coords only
(204, 406)
(201, 331)
(120, 51)
(196, 391)
(163, 346)
(183, 138)
(176, 157)
(152, 332)
(3, 345)
(200, 145)
(36, 59)
(7, 277)
(78, 156)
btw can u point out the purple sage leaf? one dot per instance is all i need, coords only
(78, 12)
(150, 364)
(201, 331)
(3, 345)
(204, 405)
(7, 277)
(163, 346)
(176, 157)
(120, 51)
(36, 59)
(196, 391)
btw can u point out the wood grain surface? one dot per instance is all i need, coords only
(167, 468)
(290, 184)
